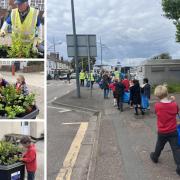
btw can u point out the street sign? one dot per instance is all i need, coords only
(86, 45)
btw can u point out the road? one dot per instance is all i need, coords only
(60, 135)
(58, 88)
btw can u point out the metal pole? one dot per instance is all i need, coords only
(101, 51)
(75, 50)
(89, 63)
(55, 57)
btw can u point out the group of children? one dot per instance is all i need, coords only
(125, 91)
(166, 110)
(20, 84)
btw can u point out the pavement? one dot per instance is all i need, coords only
(124, 141)
(35, 83)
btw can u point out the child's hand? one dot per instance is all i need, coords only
(172, 98)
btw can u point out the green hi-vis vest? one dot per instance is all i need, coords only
(91, 77)
(82, 75)
(116, 73)
(25, 30)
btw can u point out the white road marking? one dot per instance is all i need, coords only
(73, 123)
(62, 110)
(52, 100)
(70, 160)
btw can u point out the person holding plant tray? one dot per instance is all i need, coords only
(29, 157)
(21, 85)
(3, 82)
(25, 24)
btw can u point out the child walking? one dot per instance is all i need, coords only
(166, 111)
(29, 157)
(119, 92)
(112, 86)
(135, 97)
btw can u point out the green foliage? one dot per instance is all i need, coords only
(14, 103)
(172, 88)
(163, 56)
(83, 63)
(19, 49)
(29, 100)
(171, 9)
(9, 153)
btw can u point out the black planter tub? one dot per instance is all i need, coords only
(12, 172)
(32, 115)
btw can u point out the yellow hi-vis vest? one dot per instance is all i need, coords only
(91, 77)
(82, 75)
(116, 73)
(27, 29)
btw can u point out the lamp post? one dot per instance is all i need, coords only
(75, 49)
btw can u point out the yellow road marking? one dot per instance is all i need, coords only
(69, 162)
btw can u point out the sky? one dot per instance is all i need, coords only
(131, 31)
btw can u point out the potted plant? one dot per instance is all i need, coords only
(13, 104)
(19, 49)
(10, 165)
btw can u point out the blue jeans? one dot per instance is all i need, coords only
(31, 175)
(106, 92)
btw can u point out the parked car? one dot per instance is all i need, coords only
(63, 76)
(73, 76)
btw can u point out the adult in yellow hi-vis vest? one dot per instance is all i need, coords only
(82, 77)
(24, 22)
(91, 79)
(116, 73)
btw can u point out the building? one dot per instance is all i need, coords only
(34, 129)
(54, 63)
(37, 4)
(4, 4)
(159, 71)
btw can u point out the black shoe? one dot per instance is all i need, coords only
(142, 112)
(136, 114)
(154, 160)
(178, 171)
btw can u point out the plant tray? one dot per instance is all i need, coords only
(12, 172)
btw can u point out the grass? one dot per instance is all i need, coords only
(172, 88)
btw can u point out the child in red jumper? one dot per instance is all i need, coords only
(29, 157)
(166, 111)
(112, 87)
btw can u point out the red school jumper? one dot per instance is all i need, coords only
(29, 158)
(166, 116)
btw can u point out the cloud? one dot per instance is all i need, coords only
(129, 29)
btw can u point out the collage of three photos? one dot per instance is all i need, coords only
(22, 89)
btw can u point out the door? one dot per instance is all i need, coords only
(25, 128)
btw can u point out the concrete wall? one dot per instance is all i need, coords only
(158, 74)
(9, 127)
(37, 128)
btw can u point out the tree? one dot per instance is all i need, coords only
(83, 63)
(171, 9)
(163, 56)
